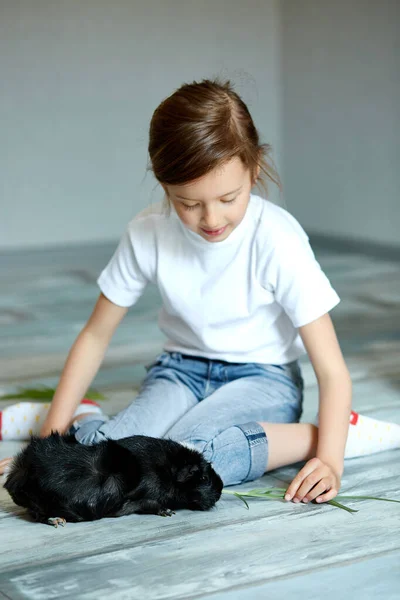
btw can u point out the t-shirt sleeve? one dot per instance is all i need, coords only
(122, 281)
(295, 277)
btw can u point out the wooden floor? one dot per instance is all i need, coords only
(231, 552)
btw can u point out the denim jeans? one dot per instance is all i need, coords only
(212, 405)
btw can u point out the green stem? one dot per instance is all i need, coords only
(279, 494)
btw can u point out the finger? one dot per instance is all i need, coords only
(294, 486)
(328, 496)
(3, 464)
(308, 485)
(308, 468)
(323, 486)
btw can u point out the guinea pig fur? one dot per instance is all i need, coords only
(58, 479)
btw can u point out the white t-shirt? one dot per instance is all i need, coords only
(238, 300)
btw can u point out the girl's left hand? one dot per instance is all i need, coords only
(315, 478)
(3, 464)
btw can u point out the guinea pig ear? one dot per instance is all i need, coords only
(186, 472)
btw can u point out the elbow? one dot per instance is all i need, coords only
(337, 377)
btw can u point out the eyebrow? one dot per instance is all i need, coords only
(223, 196)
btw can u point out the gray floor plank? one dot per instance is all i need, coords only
(376, 577)
(252, 551)
(275, 547)
(375, 475)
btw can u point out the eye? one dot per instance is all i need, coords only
(228, 201)
(187, 207)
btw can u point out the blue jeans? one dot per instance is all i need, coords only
(213, 405)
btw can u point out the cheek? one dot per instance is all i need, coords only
(186, 216)
(238, 213)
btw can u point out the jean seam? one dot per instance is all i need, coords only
(261, 438)
(208, 382)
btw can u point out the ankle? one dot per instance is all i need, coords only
(79, 417)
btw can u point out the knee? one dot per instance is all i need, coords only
(198, 435)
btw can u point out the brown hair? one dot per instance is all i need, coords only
(200, 127)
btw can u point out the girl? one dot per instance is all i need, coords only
(243, 299)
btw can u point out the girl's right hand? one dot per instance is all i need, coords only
(3, 464)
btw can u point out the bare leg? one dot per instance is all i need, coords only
(289, 443)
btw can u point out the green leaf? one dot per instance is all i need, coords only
(335, 503)
(44, 394)
(268, 494)
(239, 496)
(275, 493)
(367, 498)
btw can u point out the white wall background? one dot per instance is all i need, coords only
(341, 116)
(80, 80)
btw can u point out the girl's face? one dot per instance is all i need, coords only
(214, 205)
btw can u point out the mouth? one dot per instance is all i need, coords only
(214, 232)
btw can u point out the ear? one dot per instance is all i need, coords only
(256, 175)
(186, 473)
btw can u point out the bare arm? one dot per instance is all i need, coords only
(83, 362)
(320, 477)
(335, 390)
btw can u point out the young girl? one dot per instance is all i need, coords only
(243, 299)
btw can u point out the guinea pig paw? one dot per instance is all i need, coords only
(166, 512)
(56, 521)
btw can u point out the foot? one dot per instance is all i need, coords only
(56, 521)
(166, 512)
(369, 436)
(20, 421)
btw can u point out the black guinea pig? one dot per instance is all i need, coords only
(58, 480)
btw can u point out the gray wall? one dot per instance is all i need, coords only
(80, 80)
(341, 116)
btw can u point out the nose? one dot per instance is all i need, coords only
(210, 218)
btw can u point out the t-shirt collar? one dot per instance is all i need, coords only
(234, 238)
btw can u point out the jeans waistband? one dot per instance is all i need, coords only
(178, 356)
(204, 359)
